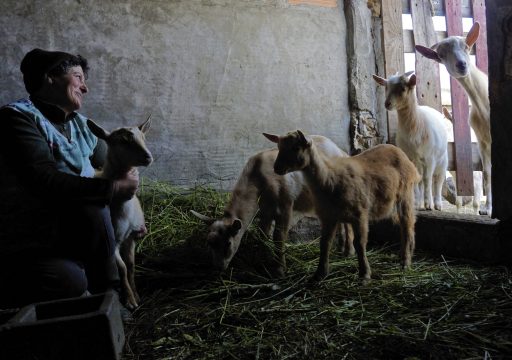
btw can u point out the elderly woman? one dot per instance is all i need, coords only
(56, 236)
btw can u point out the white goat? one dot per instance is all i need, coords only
(126, 151)
(453, 52)
(421, 135)
(280, 199)
(374, 185)
(450, 188)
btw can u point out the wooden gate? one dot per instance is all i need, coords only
(463, 154)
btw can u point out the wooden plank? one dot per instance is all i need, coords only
(323, 3)
(439, 8)
(460, 110)
(481, 44)
(428, 87)
(393, 51)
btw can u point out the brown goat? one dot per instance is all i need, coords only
(374, 185)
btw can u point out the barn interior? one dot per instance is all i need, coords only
(216, 74)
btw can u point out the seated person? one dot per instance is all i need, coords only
(56, 235)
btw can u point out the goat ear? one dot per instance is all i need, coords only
(412, 80)
(97, 130)
(145, 125)
(429, 53)
(273, 138)
(380, 80)
(208, 220)
(473, 34)
(235, 227)
(304, 141)
(447, 114)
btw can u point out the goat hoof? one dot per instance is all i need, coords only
(350, 252)
(365, 281)
(278, 272)
(319, 276)
(131, 304)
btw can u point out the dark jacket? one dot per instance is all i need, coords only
(32, 191)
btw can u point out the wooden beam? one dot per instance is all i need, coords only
(428, 87)
(460, 110)
(323, 3)
(393, 51)
(499, 29)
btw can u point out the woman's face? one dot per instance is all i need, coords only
(69, 89)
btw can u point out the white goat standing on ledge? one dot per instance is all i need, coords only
(126, 151)
(421, 135)
(453, 52)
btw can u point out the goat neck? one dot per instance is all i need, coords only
(318, 172)
(243, 204)
(408, 115)
(476, 85)
(115, 168)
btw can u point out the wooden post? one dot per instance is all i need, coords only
(499, 16)
(460, 110)
(393, 50)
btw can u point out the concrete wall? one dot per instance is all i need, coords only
(214, 73)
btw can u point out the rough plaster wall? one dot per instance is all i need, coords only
(214, 74)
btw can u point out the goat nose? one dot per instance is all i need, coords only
(461, 65)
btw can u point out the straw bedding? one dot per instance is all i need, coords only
(441, 309)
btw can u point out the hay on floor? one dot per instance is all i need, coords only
(441, 309)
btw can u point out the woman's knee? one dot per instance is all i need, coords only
(86, 232)
(62, 278)
(28, 280)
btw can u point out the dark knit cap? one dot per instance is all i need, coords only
(38, 63)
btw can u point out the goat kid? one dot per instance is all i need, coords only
(376, 184)
(126, 151)
(453, 52)
(421, 135)
(280, 199)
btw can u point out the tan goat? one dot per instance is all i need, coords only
(279, 199)
(453, 52)
(374, 185)
(126, 151)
